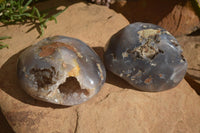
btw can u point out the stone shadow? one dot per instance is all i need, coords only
(4, 126)
(190, 79)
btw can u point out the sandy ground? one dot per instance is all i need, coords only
(116, 108)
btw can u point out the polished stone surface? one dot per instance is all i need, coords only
(61, 70)
(146, 56)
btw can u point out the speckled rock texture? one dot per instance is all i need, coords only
(46, 69)
(115, 109)
(146, 56)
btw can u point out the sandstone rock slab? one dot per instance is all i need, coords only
(191, 48)
(115, 109)
(176, 16)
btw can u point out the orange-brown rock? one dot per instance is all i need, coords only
(176, 16)
(191, 51)
(181, 20)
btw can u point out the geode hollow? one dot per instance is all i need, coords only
(61, 70)
(146, 56)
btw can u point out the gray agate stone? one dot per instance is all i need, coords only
(61, 70)
(146, 56)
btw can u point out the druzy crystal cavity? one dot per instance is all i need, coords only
(61, 70)
(146, 56)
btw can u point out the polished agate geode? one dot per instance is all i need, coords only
(146, 56)
(61, 70)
